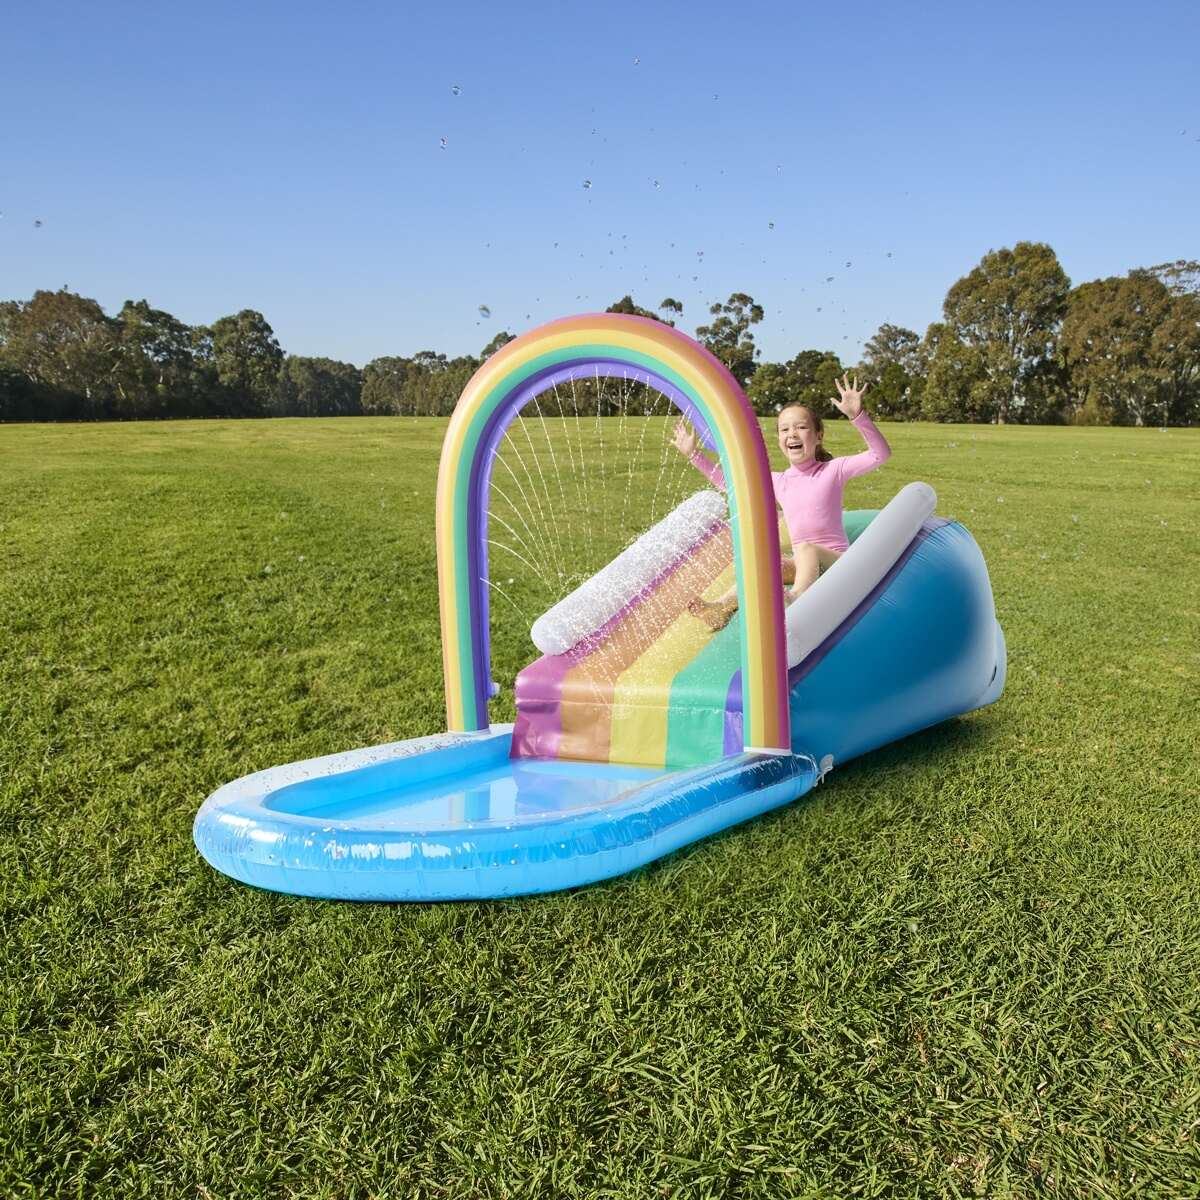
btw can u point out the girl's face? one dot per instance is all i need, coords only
(798, 436)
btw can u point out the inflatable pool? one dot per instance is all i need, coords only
(638, 728)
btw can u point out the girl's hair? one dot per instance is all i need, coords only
(822, 455)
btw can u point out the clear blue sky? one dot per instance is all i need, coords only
(288, 157)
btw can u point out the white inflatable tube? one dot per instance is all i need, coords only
(812, 618)
(600, 598)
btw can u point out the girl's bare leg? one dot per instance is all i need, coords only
(716, 614)
(810, 561)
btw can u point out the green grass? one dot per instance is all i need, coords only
(967, 965)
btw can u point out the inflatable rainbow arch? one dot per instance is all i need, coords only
(898, 635)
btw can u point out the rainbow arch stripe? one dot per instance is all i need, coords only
(702, 387)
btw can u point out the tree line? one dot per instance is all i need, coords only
(1016, 343)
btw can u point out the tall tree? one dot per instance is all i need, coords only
(1182, 276)
(626, 305)
(728, 336)
(1008, 310)
(811, 374)
(956, 387)
(156, 375)
(318, 387)
(1177, 341)
(383, 385)
(247, 359)
(672, 306)
(769, 389)
(501, 339)
(893, 362)
(805, 379)
(1132, 350)
(64, 343)
(433, 383)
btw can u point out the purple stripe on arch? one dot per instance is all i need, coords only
(734, 741)
(481, 477)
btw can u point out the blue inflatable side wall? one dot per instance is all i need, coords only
(926, 648)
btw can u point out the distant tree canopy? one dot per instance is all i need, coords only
(247, 358)
(318, 387)
(1132, 351)
(1002, 319)
(729, 337)
(1016, 343)
(1182, 276)
(501, 339)
(626, 305)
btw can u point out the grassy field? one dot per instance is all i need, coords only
(967, 965)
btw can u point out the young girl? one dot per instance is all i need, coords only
(809, 491)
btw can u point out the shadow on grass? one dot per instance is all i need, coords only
(957, 735)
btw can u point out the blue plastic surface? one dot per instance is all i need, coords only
(927, 648)
(454, 818)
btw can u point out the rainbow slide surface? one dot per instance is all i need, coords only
(654, 685)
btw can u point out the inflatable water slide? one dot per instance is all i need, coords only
(639, 729)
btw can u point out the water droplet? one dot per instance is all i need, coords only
(770, 224)
(587, 183)
(484, 311)
(455, 90)
(443, 143)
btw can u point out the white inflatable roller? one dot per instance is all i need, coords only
(812, 618)
(600, 598)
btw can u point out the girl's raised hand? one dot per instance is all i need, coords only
(684, 439)
(850, 394)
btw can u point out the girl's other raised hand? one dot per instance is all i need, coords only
(684, 438)
(850, 394)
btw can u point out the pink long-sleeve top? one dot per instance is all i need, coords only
(811, 494)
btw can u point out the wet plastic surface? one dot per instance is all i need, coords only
(510, 791)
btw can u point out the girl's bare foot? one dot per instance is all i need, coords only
(716, 614)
